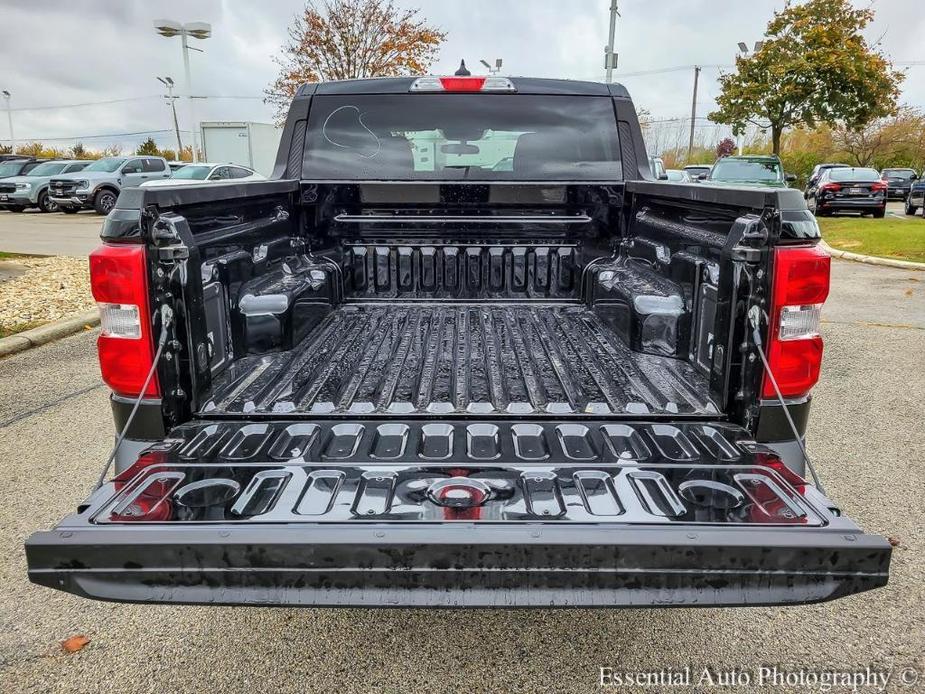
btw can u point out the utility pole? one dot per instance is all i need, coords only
(168, 82)
(690, 145)
(610, 56)
(9, 119)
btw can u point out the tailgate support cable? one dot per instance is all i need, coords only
(754, 317)
(166, 320)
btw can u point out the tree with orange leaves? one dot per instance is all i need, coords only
(348, 39)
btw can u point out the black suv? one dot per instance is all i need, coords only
(898, 182)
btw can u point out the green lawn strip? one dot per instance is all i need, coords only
(888, 238)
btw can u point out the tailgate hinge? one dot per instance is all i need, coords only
(751, 244)
(167, 240)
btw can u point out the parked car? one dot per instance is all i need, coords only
(817, 171)
(98, 185)
(698, 171)
(898, 182)
(379, 380)
(192, 174)
(12, 168)
(31, 189)
(916, 197)
(858, 189)
(657, 167)
(175, 165)
(750, 170)
(18, 166)
(678, 176)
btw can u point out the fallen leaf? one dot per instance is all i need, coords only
(75, 643)
(908, 292)
(894, 542)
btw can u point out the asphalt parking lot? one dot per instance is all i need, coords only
(34, 233)
(866, 435)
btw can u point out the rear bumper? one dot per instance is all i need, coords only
(462, 565)
(849, 204)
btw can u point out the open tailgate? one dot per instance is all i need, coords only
(458, 514)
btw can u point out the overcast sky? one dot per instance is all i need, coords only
(63, 53)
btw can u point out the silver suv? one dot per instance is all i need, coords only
(98, 185)
(30, 189)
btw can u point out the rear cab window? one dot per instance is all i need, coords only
(479, 137)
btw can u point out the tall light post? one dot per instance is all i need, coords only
(743, 53)
(198, 30)
(9, 119)
(492, 70)
(168, 82)
(610, 56)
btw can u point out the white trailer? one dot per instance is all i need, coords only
(240, 142)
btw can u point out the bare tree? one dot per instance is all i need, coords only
(882, 137)
(349, 39)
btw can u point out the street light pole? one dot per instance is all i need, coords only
(9, 120)
(492, 70)
(189, 96)
(610, 57)
(168, 82)
(198, 30)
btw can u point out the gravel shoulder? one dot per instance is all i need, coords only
(40, 290)
(866, 435)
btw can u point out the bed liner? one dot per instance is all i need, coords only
(461, 359)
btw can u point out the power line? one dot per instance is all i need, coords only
(684, 68)
(108, 135)
(129, 99)
(86, 103)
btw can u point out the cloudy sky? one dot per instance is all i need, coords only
(57, 55)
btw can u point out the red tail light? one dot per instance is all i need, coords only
(880, 185)
(462, 84)
(831, 187)
(118, 278)
(800, 287)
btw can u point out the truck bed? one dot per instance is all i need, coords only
(458, 359)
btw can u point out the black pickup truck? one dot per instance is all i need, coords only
(460, 351)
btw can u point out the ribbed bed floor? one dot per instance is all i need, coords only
(461, 359)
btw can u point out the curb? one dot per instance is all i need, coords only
(871, 259)
(50, 332)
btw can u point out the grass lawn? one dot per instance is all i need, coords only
(887, 238)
